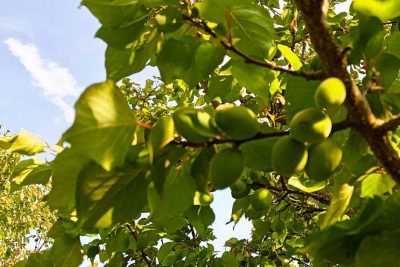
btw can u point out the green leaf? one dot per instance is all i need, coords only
(121, 37)
(106, 198)
(66, 168)
(24, 143)
(42, 258)
(340, 200)
(161, 134)
(257, 153)
(306, 185)
(388, 67)
(171, 204)
(115, 14)
(376, 184)
(121, 63)
(239, 207)
(30, 171)
(290, 56)
(298, 92)
(174, 59)
(104, 125)
(207, 58)
(249, 25)
(229, 259)
(254, 78)
(201, 217)
(393, 44)
(383, 9)
(379, 250)
(67, 251)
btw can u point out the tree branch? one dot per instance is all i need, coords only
(360, 114)
(270, 65)
(335, 127)
(390, 125)
(135, 236)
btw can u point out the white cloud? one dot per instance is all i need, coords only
(56, 83)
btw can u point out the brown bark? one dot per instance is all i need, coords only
(360, 116)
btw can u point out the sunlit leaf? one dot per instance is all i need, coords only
(383, 9)
(103, 126)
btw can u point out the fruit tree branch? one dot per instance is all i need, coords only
(266, 64)
(390, 125)
(335, 127)
(360, 115)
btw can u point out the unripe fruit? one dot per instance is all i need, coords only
(310, 125)
(203, 199)
(237, 122)
(240, 189)
(226, 168)
(194, 125)
(330, 93)
(323, 160)
(261, 199)
(288, 156)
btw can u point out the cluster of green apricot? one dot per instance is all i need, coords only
(198, 126)
(235, 122)
(308, 147)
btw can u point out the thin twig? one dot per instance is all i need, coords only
(135, 236)
(270, 65)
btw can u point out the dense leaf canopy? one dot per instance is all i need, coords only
(239, 106)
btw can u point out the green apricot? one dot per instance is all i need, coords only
(237, 122)
(194, 125)
(289, 156)
(323, 159)
(310, 125)
(240, 189)
(261, 199)
(226, 168)
(203, 199)
(330, 93)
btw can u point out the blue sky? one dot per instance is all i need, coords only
(48, 55)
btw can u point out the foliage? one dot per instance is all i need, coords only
(139, 164)
(25, 217)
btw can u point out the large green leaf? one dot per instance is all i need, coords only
(379, 250)
(67, 251)
(124, 62)
(257, 153)
(171, 204)
(161, 134)
(174, 59)
(339, 202)
(393, 44)
(121, 37)
(383, 9)
(376, 184)
(24, 143)
(115, 14)
(106, 198)
(103, 126)
(248, 25)
(388, 67)
(66, 168)
(30, 171)
(256, 79)
(298, 92)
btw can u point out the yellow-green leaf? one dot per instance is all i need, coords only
(104, 125)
